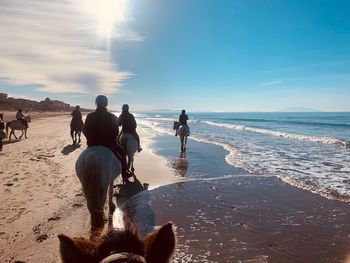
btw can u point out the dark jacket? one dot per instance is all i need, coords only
(128, 122)
(183, 119)
(101, 128)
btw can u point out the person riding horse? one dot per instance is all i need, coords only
(20, 116)
(101, 128)
(128, 123)
(2, 127)
(183, 118)
(76, 125)
(76, 116)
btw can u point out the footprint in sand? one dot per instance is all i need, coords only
(54, 218)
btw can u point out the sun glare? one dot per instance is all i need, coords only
(107, 13)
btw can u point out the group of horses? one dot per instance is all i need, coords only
(97, 168)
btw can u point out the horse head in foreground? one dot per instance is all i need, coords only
(121, 246)
(129, 144)
(18, 125)
(97, 168)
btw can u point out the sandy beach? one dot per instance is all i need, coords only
(225, 215)
(40, 193)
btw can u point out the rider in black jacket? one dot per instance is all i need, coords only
(128, 123)
(101, 128)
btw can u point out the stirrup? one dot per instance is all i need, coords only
(126, 174)
(139, 149)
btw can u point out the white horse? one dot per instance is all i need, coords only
(17, 125)
(129, 144)
(97, 168)
(184, 132)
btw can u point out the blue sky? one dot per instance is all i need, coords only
(227, 55)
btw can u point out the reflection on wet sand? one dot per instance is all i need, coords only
(180, 165)
(135, 205)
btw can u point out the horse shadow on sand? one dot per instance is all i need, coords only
(11, 141)
(69, 148)
(133, 199)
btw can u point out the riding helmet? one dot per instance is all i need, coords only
(125, 107)
(101, 100)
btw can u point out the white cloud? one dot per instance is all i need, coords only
(54, 45)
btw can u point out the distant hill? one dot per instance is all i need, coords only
(299, 109)
(9, 103)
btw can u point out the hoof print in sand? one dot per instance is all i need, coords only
(54, 218)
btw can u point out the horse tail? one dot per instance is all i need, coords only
(7, 128)
(92, 182)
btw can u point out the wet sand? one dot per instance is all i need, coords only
(225, 214)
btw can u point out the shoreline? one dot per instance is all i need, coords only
(219, 219)
(260, 218)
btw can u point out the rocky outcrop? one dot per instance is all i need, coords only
(8, 103)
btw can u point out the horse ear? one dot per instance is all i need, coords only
(75, 251)
(160, 245)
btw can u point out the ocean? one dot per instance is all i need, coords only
(307, 150)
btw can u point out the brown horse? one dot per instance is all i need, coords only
(18, 125)
(76, 127)
(121, 246)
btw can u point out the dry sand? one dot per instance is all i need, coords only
(40, 193)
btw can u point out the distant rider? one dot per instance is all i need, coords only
(128, 123)
(183, 118)
(76, 124)
(76, 114)
(101, 128)
(2, 127)
(20, 116)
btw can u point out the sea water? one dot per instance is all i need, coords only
(307, 150)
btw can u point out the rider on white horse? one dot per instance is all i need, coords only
(183, 118)
(128, 123)
(101, 128)
(20, 116)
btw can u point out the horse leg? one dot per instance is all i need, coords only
(72, 135)
(25, 133)
(110, 201)
(79, 133)
(132, 165)
(182, 144)
(13, 132)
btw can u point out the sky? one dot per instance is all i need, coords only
(198, 55)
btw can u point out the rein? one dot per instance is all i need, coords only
(123, 257)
